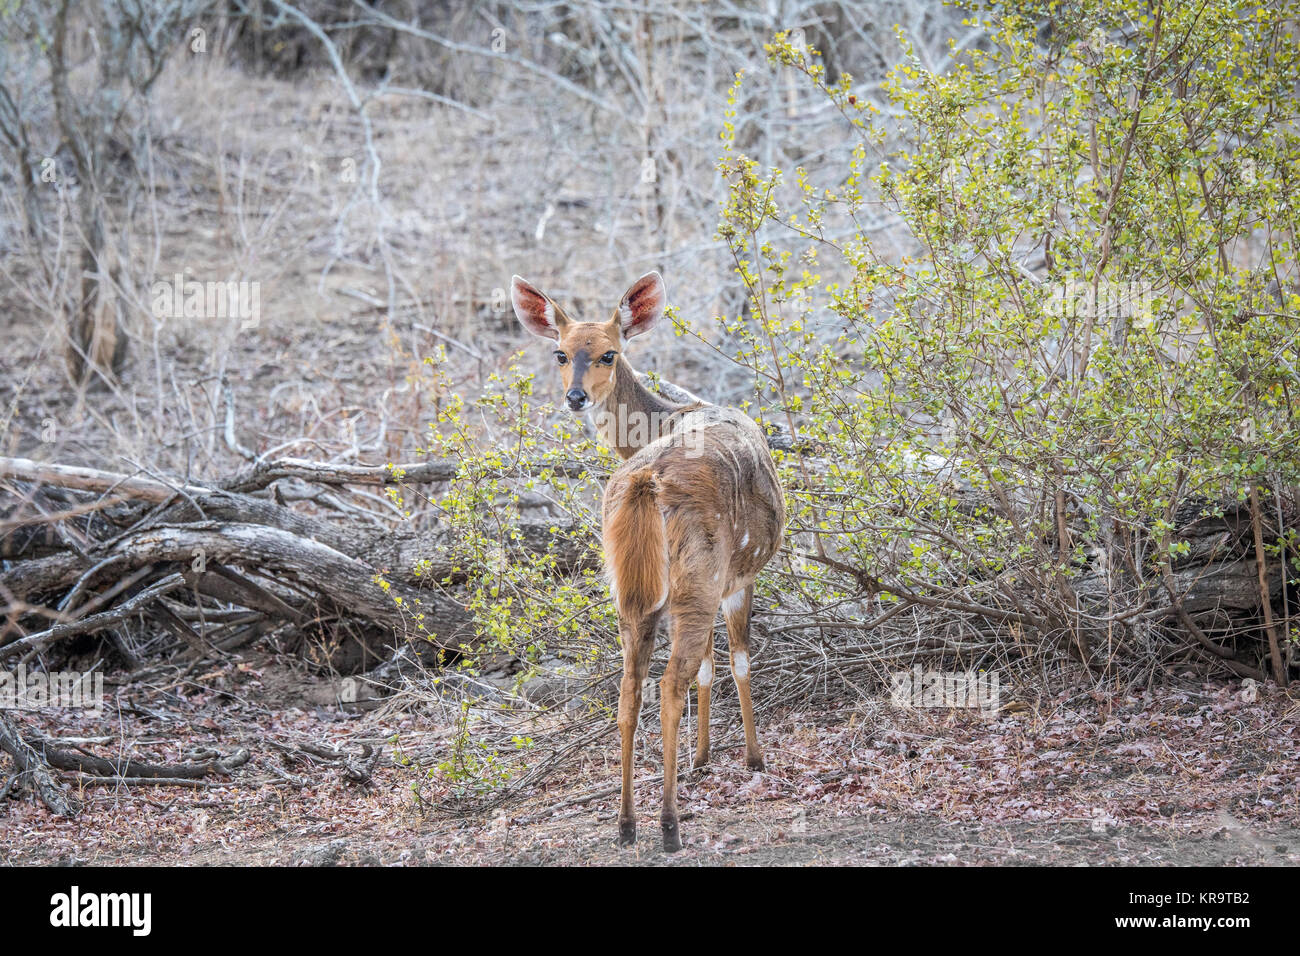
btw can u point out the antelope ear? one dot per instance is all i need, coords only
(536, 312)
(642, 305)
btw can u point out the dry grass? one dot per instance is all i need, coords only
(255, 178)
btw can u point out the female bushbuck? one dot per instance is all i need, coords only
(690, 518)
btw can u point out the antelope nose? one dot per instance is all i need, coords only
(577, 398)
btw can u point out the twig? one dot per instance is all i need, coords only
(95, 621)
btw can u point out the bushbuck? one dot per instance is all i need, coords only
(690, 517)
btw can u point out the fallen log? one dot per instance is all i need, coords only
(216, 533)
(61, 759)
(35, 756)
(349, 582)
(396, 552)
(197, 534)
(31, 766)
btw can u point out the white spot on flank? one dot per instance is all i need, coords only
(745, 540)
(706, 674)
(733, 602)
(740, 665)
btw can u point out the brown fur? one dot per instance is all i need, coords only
(723, 517)
(690, 518)
(584, 343)
(635, 546)
(722, 505)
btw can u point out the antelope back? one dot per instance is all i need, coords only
(722, 504)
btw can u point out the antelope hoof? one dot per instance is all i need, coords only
(672, 837)
(626, 832)
(754, 762)
(701, 760)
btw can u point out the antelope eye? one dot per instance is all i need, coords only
(608, 358)
(561, 358)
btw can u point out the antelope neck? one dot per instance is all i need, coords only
(632, 416)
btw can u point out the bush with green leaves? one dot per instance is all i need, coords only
(1087, 334)
(517, 462)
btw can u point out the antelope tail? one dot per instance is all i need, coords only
(636, 546)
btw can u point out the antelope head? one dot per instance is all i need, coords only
(587, 352)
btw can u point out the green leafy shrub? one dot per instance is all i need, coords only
(515, 459)
(1090, 327)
